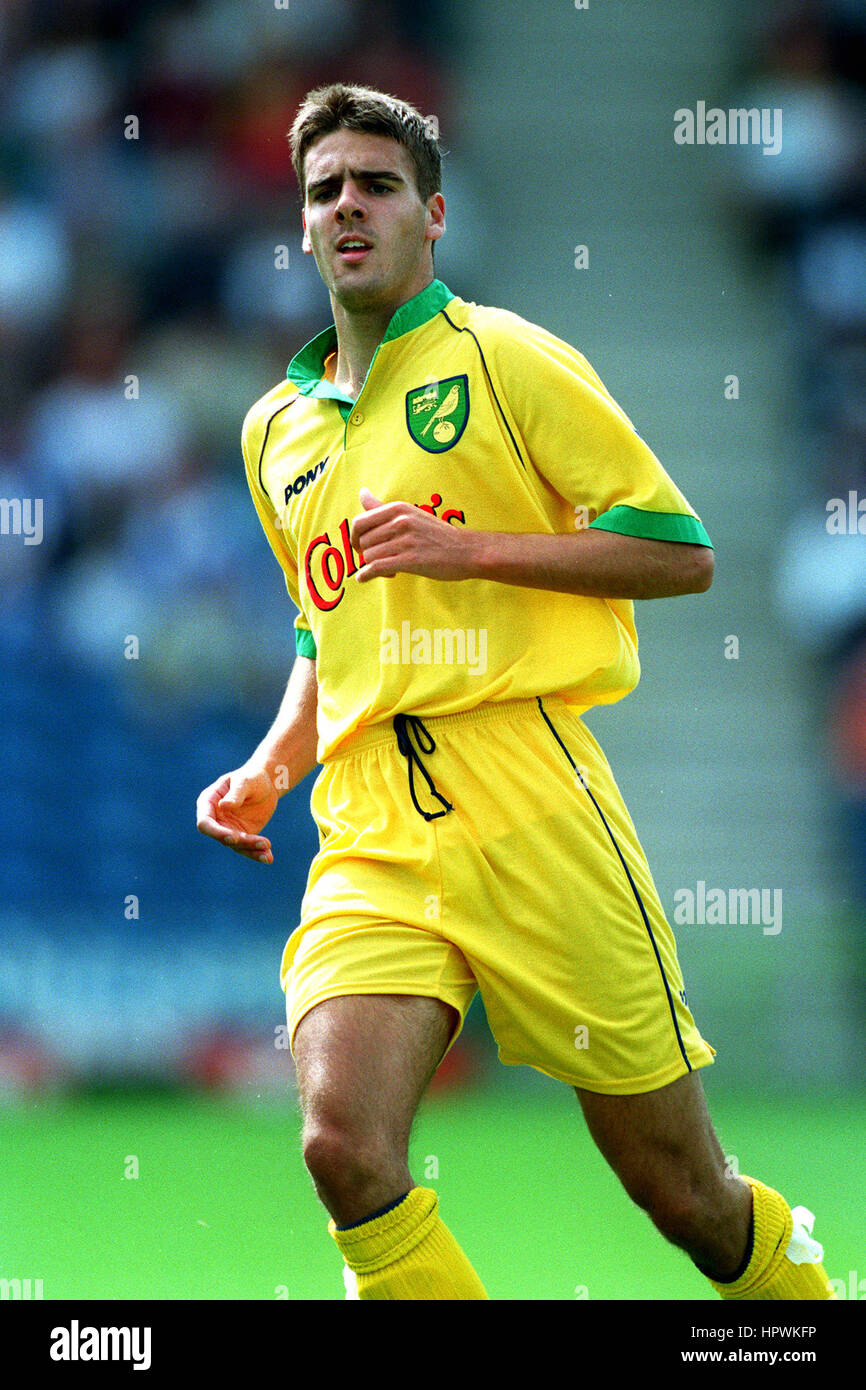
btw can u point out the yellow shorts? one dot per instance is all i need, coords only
(531, 888)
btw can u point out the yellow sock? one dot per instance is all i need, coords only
(407, 1253)
(785, 1261)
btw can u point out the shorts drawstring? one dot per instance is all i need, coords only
(403, 723)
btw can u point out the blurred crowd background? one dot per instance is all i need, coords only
(145, 191)
(806, 218)
(152, 287)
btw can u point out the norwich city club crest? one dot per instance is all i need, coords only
(437, 414)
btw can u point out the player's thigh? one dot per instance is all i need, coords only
(657, 1138)
(364, 1061)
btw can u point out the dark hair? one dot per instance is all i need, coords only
(341, 107)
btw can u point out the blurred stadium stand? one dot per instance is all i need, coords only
(145, 187)
(141, 313)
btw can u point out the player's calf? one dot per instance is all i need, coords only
(740, 1233)
(712, 1227)
(662, 1146)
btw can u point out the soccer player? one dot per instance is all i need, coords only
(464, 517)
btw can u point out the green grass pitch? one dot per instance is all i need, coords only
(222, 1207)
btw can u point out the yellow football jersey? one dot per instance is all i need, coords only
(487, 421)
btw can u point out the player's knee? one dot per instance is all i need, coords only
(343, 1162)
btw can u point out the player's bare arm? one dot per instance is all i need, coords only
(235, 809)
(397, 537)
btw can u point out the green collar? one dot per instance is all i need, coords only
(307, 367)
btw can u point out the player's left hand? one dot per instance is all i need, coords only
(397, 538)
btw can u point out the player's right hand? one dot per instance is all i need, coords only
(234, 809)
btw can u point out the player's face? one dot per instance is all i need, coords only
(362, 188)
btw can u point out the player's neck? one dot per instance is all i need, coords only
(358, 337)
(359, 333)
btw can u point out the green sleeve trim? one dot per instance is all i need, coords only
(305, 643)
(653, 526)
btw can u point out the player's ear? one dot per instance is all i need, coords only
(306, 244)
(435, 217)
